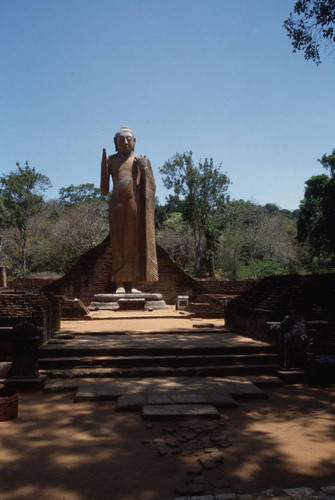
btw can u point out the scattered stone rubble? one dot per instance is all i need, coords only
(203, 443)
(323, 493)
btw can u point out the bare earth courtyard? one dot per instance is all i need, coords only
(57, 449)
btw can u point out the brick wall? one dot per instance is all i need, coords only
(91, 275)
(277, 296)
(223, 287)
(42, 309)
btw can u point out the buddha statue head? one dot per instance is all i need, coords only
(124, 140)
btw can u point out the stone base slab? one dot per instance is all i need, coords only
(127, 301)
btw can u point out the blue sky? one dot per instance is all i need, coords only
(217, 77)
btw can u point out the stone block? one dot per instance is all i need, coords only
(299, 493)
(130, 402)
(108, 392)
(86, 394)
(206, 462)
(159, 399)
(61, 385)
(166, 412)
(329, 490)
(203, 497)
(225, 496)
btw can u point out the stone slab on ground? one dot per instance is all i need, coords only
(219, 399)
(130, 402)
(197, 390)
(223, 340)
(176, 412)
(61, 385)
(86, 393)
(266, 381)
(135, 401)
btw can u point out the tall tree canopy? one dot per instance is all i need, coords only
(21, 195)
(203, 189)
(73, 195)
(316, 225)
(312, 23)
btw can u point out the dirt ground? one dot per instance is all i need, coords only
(58, 450)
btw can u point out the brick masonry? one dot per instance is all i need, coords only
(274, 297)
(42, 309)
(91, 275)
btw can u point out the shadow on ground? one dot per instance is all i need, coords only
(56, 449)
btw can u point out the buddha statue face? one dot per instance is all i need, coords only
(124, 140)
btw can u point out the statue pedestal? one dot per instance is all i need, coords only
(128, 301)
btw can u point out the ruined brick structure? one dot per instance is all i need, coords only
(91, 275)
(229, 288)
(274, 297)
(42, 309)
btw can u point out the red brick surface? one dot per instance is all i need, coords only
(91, 275)
(42, 309)
(277, 296)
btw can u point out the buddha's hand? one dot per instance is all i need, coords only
(141, 162)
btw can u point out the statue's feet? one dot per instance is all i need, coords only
(120, 289)
(130, 288)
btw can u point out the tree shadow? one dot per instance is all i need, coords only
(59, 450)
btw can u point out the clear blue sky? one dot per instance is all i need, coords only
(217, 77)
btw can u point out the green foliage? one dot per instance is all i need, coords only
(316, 228)
(328, 162)
(175, 236)
(257, 241)
(21, 196)
(202, 190)
(311, 227)
(73, 195)
(257, 269)
(315, 24)
(173, 204)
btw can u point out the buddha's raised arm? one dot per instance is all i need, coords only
(104, 180)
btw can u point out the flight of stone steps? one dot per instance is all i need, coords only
(172, 354)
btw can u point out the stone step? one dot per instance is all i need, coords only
(111, 389)
(216, 371)
(65, 350)
(162, 361)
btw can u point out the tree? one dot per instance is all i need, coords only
(316, 227)
(175, 236)
(257, 241)
(173, 204)
(328, 162)
(72, 195)
(21, 194)
(203, 189)
(315, 24)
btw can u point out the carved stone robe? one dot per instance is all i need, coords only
(131, 220)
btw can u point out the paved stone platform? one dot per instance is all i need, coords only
(135, 394)
(185, 340)
(105, 354)
(138, 321)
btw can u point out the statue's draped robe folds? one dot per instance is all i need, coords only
(131, 219)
